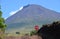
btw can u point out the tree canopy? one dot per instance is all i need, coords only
(2, 21)
(50, 31)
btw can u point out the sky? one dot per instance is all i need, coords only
(10, 7)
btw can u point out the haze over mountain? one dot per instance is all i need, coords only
(30, 16)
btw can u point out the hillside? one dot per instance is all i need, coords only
(30, 16)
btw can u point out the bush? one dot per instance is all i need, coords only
(50, 31)
(33, 32)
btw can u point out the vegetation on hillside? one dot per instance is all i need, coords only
(2, 25)
(50, 31)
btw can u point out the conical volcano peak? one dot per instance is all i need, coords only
(39, 7)
(26, 6)
(29, 16)
(32, 5)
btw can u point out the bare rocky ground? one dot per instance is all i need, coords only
(22, 37)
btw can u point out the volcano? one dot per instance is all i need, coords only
(30, 16)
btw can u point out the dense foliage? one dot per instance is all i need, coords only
(33, 32)
(50, 31)
(2, 25)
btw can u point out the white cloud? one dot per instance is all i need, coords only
(13, 12)
(21, 8)
(5, 18)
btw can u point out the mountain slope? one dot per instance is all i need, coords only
(30, 16)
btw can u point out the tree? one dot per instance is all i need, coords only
(33, 32)
(50, 31)
(17, 32)
(2, 25)
(0, 14)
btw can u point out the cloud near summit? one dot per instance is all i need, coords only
(13, 12)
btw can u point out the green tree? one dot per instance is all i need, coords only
(2, 25)
(17, 32)
(33, 32)
(0, 14)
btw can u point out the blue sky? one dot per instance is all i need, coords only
(11, 6)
